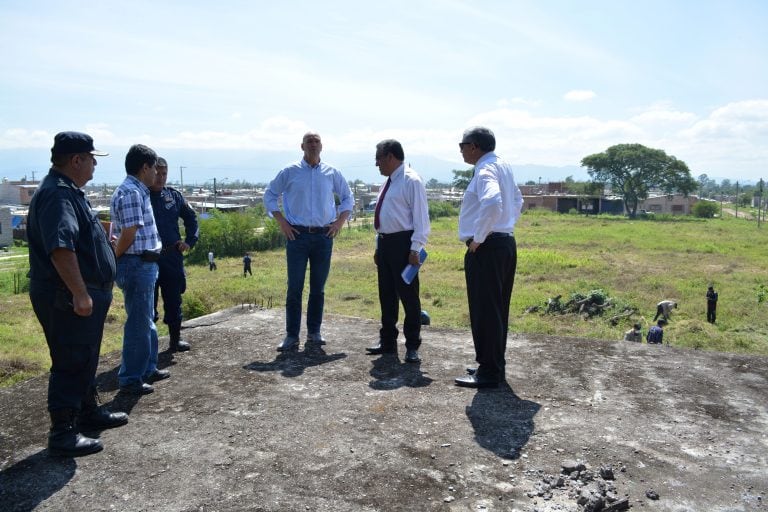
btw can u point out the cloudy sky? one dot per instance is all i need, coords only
(555, 79)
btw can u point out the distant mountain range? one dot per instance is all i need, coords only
(201, 166)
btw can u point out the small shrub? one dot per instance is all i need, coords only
(195, 305)
(705, 209)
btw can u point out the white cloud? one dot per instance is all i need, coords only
(579, 95)
(664, 116)
(506, 102)
(729, 141)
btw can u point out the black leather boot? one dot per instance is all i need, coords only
(177, 344)
(65, 441)
(96, 417)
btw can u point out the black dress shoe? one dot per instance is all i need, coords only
(412, 356)
(137, 388)
(471, 371)
(157, 375)
(289, 343)
(100, 419)
(381, 349)
(471, 381)
(179, 346)
(316, 338)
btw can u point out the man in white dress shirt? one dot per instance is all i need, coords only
(491, 206)
(401, 220)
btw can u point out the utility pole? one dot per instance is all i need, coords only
(737, 199)
(214, 193)
(181, 177)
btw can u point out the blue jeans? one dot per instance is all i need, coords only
(137, 280)
(315, 249)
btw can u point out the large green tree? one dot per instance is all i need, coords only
(462, 177)
(633, 170)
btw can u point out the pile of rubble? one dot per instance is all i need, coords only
(593, 303)
(593, 491)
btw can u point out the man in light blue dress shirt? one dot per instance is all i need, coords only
(309, 221)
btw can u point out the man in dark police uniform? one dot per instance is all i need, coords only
(72, 269)
(169, 205)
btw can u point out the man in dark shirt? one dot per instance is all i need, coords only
(655, 334)
(168, 206)
(711, 304)
(72, 269)
(247, 265)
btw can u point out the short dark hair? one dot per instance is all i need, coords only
(137, 156)
(388, 146)
(161, 162)
(481, 137)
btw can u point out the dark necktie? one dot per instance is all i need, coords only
(376, 222)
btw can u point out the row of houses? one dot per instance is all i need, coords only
(15, 196)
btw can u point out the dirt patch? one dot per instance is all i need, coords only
(242, 427)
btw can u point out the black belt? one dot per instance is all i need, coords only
(396, 234)
(493, 234)
(148, 256)
(107, 286)
(311, 229)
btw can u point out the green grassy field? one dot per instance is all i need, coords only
(637, 262)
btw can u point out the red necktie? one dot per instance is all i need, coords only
(376, 222)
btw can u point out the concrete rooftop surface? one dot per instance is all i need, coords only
(239, 426)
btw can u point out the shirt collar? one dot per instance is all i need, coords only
(486, 157)
(306, 164)
(397, 173)
(141, 184)
(62, 180)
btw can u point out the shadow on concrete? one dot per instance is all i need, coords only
(29, 482)
(503, 423)
(124, 402)
(390, 373)
(293, 363)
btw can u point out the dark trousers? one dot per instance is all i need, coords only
(171, 284)
(490, 274)
(392, 258)
(73, 341)
(659, 313)
(711, 312)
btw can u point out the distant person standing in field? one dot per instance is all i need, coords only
(71, 274)
(137, 249)
(211, 262)
(491, 206)
(309, 221)
(664, 309)
(711, 304)
(401, 219)
(656, 333)
(247, 265)
(169, 206)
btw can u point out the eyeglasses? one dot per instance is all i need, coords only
(462, 144)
